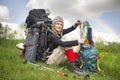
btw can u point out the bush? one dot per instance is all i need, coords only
(110, 47)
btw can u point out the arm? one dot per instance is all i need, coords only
(65, 31)
(53, 38)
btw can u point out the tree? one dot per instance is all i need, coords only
(1, 29)
(23, 26)
(4, 31)
(12, 34)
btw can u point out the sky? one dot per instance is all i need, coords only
(103, 15)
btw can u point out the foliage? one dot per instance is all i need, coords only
(6, 32)
(110, 47)
(12, 35)
(23, 26)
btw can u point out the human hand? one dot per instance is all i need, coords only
(78, 22)
(81, 41)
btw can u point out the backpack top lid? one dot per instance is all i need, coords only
(39, 12)
(36, 15)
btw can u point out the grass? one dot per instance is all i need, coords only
(12, 67)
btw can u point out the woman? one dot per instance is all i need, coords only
(54, 41)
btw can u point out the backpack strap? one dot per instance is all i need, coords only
(37, 23)
(55, 33)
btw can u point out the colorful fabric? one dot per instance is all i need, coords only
(71, 55)
(89, 36)
(89, 57)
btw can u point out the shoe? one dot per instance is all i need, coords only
(79, 71)
(93, 72)
(73, 66)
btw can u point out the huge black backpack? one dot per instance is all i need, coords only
(35, 44)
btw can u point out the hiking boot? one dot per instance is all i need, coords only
(73, 66)
(93, 72)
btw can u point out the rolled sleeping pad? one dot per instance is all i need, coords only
(20, 46)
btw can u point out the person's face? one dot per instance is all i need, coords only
(58, 26)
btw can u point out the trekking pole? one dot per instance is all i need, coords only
(81, 32)
(50, 69)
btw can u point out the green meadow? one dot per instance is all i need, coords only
(12, 67)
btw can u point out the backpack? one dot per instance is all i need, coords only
(88, 53)
(89, 58)
(35, 44)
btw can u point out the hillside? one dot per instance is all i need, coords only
(12, 67)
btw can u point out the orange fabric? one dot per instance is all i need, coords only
(61, 73)
(87, 42)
